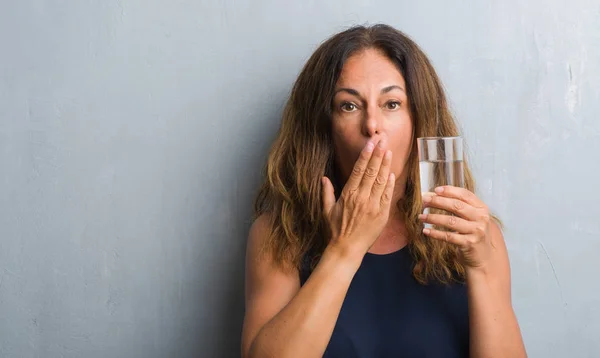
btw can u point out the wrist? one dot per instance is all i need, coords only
(482, 274)
(478, 272)
(346, 257)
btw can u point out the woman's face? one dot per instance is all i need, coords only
(370, 103)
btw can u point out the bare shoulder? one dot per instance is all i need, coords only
(501, 261)
(268, 287)
(257, 236)
(258, 259)
(497, 240)
(496, 233)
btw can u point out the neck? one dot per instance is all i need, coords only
(392, 238)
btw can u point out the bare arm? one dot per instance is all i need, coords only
(494, 328)
(284, 320)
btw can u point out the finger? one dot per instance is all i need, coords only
(359, 168)
(450, 222)
(383, 175)
(455, 206)
(447, 236)
(462, 194)
(327, 194)
(388, 193)
(373, 167)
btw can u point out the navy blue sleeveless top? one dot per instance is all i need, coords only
(387, 313)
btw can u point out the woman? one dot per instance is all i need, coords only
(338, 262)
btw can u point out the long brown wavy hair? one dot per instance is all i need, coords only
(302, 153)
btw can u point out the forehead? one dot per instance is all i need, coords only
(369, 67)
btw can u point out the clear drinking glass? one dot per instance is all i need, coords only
(440, 163)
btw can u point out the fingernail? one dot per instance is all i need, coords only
(426, 231)
(422, 216)
(370, 147)
(426, 198)
(439, 189)
(382, 143)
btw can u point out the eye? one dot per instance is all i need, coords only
(348, 107)
(392, 105)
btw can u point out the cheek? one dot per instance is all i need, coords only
(401, 147)
(347, 147)
(346, 137)
(401, 155)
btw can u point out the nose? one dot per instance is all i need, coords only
(372, 123)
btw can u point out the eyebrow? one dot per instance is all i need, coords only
(392, 87)
(354, 92)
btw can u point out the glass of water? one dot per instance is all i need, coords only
(440, 163)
